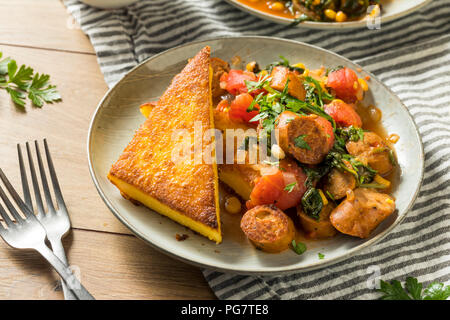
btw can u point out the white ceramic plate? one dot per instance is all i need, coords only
(117, 117)
(392, 9)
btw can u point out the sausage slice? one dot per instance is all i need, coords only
(373, 151)
(307, 138)
(279, 77)
(268, 228)
(338, 182)
(359, 216)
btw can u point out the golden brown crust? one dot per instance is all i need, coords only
(146, 162)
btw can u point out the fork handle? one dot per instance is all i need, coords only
(72, 282)
(58, 250)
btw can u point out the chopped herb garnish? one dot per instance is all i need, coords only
(315, 94)
(290, 187)
(298, 247)
(413, 290)
(321, 256)
(19, 82)
(301, 143)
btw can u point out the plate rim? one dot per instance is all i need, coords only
(321, 25)
(274, 271)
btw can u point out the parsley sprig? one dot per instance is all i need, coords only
(413, 290)
(22, 82)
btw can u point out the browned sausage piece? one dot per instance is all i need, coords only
(219, 67)
(338, 182)
(268, 228)
(359, 216)
(318, 229)
(279, 77)
(372, 151)
(302, 137)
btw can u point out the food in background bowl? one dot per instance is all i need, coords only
(318, 10)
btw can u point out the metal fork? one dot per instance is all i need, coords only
(28, 233)
(56, 222)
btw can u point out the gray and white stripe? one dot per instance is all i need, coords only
(410, 55)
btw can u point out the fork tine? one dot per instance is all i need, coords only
(56, 188)
(8, 203)
(23, 175)
(25, 209)
(5, 217)
(45, 188)
(37, 191)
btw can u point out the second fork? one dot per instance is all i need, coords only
(55, 220)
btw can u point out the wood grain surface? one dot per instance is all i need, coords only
(113, 263)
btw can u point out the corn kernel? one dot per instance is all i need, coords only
(330, 14)
(324, 199)
(363, 84)
(306, 72)
(277, 6)
(390, 201)
(378, 179)
(263, 73)
(250, 66)
(299, 65)
(341, 17)
(233, 205)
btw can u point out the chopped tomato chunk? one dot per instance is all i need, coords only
(345, 84)
(343, 113)
(267, 189)
(235, 81)
(223, 105)
(239, 108)
(284, 188)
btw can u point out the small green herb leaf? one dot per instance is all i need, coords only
(290, 187)
(321, 256)
(301, 143)
(17, 96)
(298, 247)
(437, 291)
(414, 288)
(40, 91)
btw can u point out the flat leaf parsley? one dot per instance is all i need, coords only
(22, 82)
(413, 290)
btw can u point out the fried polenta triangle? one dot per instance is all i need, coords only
(186, 192)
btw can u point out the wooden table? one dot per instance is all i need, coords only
(114, 264)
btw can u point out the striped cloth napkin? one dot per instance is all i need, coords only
(411, 55)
